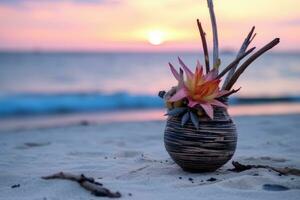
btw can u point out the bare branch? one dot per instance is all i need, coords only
(242, 50)
(242, 68)
(216, 60)
(235, 62)
(230, 93)
(252, 38)
(204, 45)
(248, 39)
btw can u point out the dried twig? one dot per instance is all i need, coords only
(238, 167)
(252, 38)
(87, 183)
(216, 60)
(242, 68)
(242, 50)
(230, 93)
(204, 45)
(234, 63)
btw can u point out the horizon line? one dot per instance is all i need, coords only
(41, 51)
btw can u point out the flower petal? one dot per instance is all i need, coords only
(180, 94)
(198, 76)
(174, 72)
(211, 75)
(188, 72)
(181, 79)
(218, 103)
(192, 103)
(208, 109)
(199, 66)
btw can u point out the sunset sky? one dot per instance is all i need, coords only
(129, 25)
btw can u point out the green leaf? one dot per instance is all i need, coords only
(195, 119)
(176, 111)
(185, 118)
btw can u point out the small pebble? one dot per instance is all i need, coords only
(115, 158)
(129, 194)
(201, 181)
(255, 174)
(105, 157)
(15, 186)
(180, 177)
(292, 178)
(211, 179)
(191, 179)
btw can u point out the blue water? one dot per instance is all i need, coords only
(45, 83)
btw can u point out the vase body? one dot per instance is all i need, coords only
(204, 149)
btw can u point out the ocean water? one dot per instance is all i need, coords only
(55, 83)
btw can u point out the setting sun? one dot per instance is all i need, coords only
(156, 37)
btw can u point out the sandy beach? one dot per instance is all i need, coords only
(93, 92)
(129, 157)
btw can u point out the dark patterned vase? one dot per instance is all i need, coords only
(204, 149)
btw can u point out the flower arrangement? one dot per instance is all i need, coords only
(200, 135)
(198, 93)
(195, 95)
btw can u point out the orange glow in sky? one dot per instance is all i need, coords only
(156, 25)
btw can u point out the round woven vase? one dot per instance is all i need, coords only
(204, 149)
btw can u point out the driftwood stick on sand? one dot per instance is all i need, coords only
(216, 60)
(204, 45)
(242, 50)
(87, 183)
(238, 167)
(242, 68)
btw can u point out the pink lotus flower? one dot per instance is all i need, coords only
(198, 88)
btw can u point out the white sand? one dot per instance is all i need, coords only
(27, 155)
